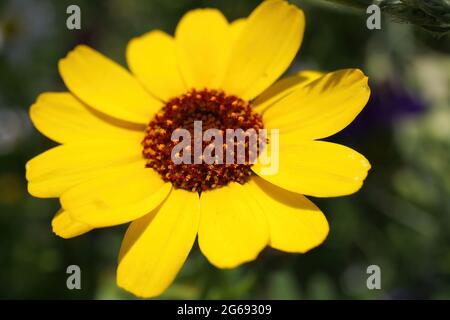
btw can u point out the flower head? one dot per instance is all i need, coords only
(116, 160)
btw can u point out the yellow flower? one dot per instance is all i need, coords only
(112, 166)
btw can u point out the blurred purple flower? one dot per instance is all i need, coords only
(389, 104)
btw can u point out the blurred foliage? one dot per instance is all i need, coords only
(400, 220)
(431, 15)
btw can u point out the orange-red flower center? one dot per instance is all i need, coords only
(214, 110)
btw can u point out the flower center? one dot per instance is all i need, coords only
(225, 114)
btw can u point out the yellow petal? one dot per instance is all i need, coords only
(203, 42)
(118, 196)
(236, 28)
(66, 228)
(152, 58)
(317, 168)
(295, 223)
(156, 246)
(233, 229)
(322, 108)
(283, 88)
(56, 170)
(265, 48)
(106, 86)
(63, 118)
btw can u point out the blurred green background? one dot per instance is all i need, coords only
(400, 220)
